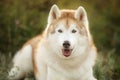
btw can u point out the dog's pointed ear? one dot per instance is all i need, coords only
(81, 15)
(54, 13)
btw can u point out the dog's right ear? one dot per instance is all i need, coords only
(54, 14)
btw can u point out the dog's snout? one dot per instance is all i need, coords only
(66, 44)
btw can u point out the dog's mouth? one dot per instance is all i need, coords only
(66, 52)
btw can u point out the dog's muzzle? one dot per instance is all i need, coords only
(66, 49)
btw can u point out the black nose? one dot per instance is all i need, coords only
(66, 44)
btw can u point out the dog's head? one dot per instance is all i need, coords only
(67, 31)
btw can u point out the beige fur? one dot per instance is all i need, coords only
(44, 56)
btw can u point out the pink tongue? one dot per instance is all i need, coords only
(66, 53)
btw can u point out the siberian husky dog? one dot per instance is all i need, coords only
(65, 50)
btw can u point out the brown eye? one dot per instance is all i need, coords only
(74, 31)
(60, 31)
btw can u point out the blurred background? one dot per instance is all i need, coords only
(21, 20)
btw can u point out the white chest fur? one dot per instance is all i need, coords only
(68, 70)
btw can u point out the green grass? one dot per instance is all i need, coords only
(106, 68)
(5, 63)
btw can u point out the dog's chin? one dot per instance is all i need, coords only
(66, 52)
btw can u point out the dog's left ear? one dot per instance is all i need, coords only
(81, 15)
(54, 14)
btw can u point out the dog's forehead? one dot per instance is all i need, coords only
(66, 23)
(67, 14)
(68, 19)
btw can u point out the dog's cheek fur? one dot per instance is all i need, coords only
(53, 38)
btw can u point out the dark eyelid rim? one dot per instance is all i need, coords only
(74, 31)
(59, 30)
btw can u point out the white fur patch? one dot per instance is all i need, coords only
(22, 63)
